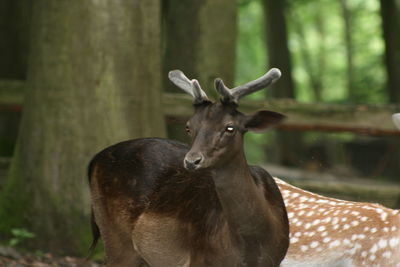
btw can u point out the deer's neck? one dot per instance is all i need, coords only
(245, 208)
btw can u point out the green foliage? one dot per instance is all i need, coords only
(19, 235)
(251, 61)
(317, 46)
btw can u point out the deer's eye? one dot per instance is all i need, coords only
(229, 129)
(187, 129)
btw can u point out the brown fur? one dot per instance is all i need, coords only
(149, 208)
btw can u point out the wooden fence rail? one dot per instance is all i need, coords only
(360, 119)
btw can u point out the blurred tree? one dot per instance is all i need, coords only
(315, 68)
(391, 34)
(279, 56)
(14, 26)
(93, 79)
(198, 38)
(277, 47)
(347, 19)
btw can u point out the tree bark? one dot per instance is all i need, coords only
(346, 13)
(277, 47)
(288, 148)
(94, 80)
(199, 38)
(391, 35)
(14, 38)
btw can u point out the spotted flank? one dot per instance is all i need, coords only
(331, 232)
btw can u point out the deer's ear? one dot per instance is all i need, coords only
(263, 120)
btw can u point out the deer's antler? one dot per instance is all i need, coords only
(233, 95)
(192, 87)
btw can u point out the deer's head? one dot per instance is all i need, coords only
(217, 129)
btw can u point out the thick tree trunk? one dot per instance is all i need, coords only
(199, 38)
(94, 80)
(391, 35)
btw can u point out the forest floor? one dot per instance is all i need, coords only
(9, 257)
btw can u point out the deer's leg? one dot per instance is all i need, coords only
(119, 250)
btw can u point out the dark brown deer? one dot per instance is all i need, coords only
(159, 202)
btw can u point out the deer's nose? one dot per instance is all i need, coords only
(193, 161)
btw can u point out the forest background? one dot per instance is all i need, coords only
(77, 76)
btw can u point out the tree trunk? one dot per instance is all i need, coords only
(14, 38)
(288, 148)
(277, 47)
(94, 80)
(315, 71)
(346, 13)
(199, 38)
(391, 35)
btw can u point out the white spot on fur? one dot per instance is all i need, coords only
(327, 219)
(374, 249)
(372, 257)
(335, 243)
(310, 213)
(303, 248)
(382, 243)
(294, 195)
(393, 242)
(326, 239)
(317, 221)
(387, 254)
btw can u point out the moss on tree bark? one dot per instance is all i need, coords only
(93, 80)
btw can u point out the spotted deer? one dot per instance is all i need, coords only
(158, 202)
(331, 232)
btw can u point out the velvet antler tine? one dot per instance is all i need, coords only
(233, 95)
(267, 79)
(180, 80)
(226, 95)
(192, 87)
(198, 93)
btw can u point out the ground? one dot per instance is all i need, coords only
(9, 257)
